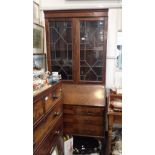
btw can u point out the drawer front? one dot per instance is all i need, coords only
(68, 109)
(82, 119)
(38, 111)
(51, 140)
(68, 129)
(117, 119)
(90, 130)
(83, 110)
(46, 125)
(57, 92)
(84, 129)
(48, 99)
(52, 98)
(89, 111)
(52, 117)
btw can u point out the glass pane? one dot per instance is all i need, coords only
(91, 50)
(61, 48)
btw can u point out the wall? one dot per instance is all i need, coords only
(79, 4)
(113, 77)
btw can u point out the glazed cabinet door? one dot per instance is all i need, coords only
(92, 49)
(60, 46)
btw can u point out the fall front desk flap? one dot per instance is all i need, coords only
(84, 94)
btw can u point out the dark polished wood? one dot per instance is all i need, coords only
(113, 118)
(91, 95)
(49, 63)
(76, 13)
(51, 140)
(38, 110)
(105, 48)
(76, 48)
(48, 119)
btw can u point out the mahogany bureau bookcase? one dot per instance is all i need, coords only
(76, 48)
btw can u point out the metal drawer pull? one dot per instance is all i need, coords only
(57, 132)
(46, 98)
(56, 113)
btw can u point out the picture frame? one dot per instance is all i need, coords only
(36, 1)
(119, 52)
(39, 61)
(36, 13)
(38, 38)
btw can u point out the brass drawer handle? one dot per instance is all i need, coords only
(56, 113)
(46, 98)
(57, 132)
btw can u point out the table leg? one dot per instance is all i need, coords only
(110, 126)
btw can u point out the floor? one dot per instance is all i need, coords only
(90, 146)
(84, 145)
(117, 141)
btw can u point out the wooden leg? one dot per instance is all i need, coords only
(110, 125)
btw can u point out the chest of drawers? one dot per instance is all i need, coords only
(84, 120)
(48, 120)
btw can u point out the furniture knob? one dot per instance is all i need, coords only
(57, 132)
(46, 98)
(60, 89)
(56, 113)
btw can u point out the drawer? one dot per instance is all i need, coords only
(84, 119)
(117, 119)
(84, 129)
(46, 125)
(90, 130)
(52, 98)
(84, 110)
(68, 130)
(68, 109)
(50, 141)
(97, 111)
(48, 99)
(57, 92)
(38, 111)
